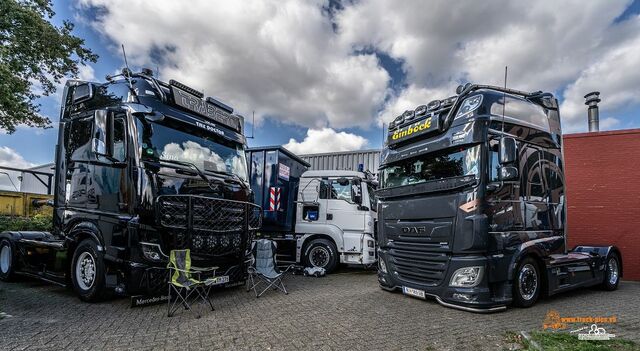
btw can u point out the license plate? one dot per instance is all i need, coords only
(413, 292)
(219, 280)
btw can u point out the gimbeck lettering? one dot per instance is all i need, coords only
(412, 129)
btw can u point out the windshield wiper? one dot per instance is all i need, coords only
(190, 165)
(202, 174)
(237, 177)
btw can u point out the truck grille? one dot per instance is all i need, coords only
(417, 262)
(207, 226)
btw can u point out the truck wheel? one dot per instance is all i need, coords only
(88, 272)
(527, 283)
(612, 272)
(7, 260)
(321, 253)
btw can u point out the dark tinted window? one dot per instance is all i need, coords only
(257, 174)
(494, 164)
(193, 145)
(524, 111)
(434, 166)
(324, 189)
(552, 166)
(79, 139)
(119, 139)
(532, 182)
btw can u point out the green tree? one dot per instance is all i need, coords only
(34, 56)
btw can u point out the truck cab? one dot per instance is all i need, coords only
(472, 206)
(336, 211)
(142, 167)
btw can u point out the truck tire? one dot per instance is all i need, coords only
(321, 253)
(612, 272)
(527, 283)
(88, 272)
(7, 260)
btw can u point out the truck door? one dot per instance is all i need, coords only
(77, 140)
(107, 186)
(342, 211)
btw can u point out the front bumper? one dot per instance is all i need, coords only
(479, 298)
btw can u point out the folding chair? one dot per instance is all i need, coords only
(182, 282)
(263, 268)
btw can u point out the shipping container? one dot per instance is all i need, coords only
(274, 174)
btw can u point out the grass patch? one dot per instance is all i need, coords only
(39, 222)
(569, 342)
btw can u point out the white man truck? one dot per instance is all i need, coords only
(318, 218)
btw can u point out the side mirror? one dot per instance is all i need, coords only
(508, 150)
(508, 173)
(99, 138)
(82, 92)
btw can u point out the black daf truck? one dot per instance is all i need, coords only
(472, 204)
(142, 167)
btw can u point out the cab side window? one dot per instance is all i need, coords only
(532, 181)
(324, 189)
(119, 139)
(552, 165)
(494, 164)
(331, 189)
(79, 139)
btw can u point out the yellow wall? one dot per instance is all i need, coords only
(20, 204)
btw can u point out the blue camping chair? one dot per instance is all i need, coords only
(263, 270)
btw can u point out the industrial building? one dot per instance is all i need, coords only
(361, 160)
(37, 183)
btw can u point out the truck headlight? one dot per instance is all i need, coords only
(469, 105)
(381, 265)
(152, 252)
(467, 277)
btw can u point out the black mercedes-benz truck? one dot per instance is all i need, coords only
(142, 167)
(472, 204)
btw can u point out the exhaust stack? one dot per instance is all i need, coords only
(592, 99)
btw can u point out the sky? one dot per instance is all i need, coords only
(327, 75)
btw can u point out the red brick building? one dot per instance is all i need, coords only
(603, 192)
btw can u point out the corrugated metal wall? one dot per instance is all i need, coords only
(30, 184)
(348, 160)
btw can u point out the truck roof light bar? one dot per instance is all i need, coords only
(186, 88)
(220, 104)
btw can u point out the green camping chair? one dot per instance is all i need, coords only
(183, 284)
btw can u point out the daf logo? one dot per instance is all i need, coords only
(414, 230)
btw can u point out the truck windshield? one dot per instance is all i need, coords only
(447, 164)
(207, 152)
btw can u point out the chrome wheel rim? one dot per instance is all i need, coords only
(85, 271)
(319, 256)
(613, 271)
(528, 281)
(5, 259)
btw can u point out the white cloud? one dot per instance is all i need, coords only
(11, 158)
(279, 58)
(86, 73)
(326, 140)
(283, 59)
(410, 98)
(547, 46)
(615, 75)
